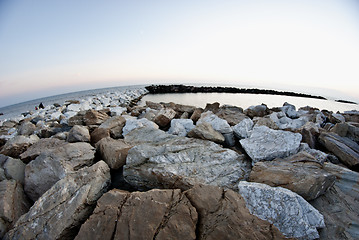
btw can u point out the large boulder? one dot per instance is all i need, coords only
(53, 165)
(164, 117)
(302, 175)
(243, 128)
(64, 207)
(268, 144)
(288, 211)
(257, 111)
(160, 160)
(114, 125)
(205, 131)
(134, 123)
(232, 115)
(78, 134)
(156, 214)
(13, 169)
(17, 145)
(181, 127)
(344, 148)
(13, 204)
(113, 152)
(26, 128)
(40, 146)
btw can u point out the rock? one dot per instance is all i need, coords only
(134, 123)
(349, 130)
(180, 127)
(113, 152)
(17, 145)
(164, 117)
(289, 110)
(179, 108)
(344, 148)
(196, 114)
(14, 169)
(156, 214)
(98, 134)
(26, 128)
(336, 118)
(64, 207)
(242, 129)
(232, 115)
(284, 122)
(212, 107)
(40, 146)
(303, 175)
(317, 155)
(338, 205)
(223, 215)
(160, 160)
(265, 121)
(117, 111)
(114, 125)
(310, 133)
(93, 117)
(256, 111)
(267, 144)
(53, 165)
(78, 134)
(205, 131)
(286, 210)
(13, 204)
(351, 116)
(153, 105)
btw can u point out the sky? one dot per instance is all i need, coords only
(60, 46)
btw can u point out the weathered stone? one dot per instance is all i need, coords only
(164, 117)
(98, 134)
(289, 110)
(243, 128)
(78, 119)
(265, 121)
(93, 117)
(13, 204)
(17, 145)
(27, 128)
(336, 118)
(153, 105)
(114, 125)
(181, 127)
(14, 169)
(160, 160)
(349, 130)
(196, 114)
(303, 175)
(51, 166)
(180, 108)
(344, 148)
(286, 210)
(268, 144)
(231, 115)
(134, 123)
(223, 215)
(205, 131)
(113, 152)
(212, 107)
(156, 214)
(284, 122)
(60, 211)
(78, 134)
(256, 111)
(351, 116)
(40, 146)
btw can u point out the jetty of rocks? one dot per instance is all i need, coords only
(106, 168)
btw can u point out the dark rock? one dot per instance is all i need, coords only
(78, 134)
(257, 111)
(196, 114)
(213, 107)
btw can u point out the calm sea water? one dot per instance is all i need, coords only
(246, 100)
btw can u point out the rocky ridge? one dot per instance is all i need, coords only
(103, 167)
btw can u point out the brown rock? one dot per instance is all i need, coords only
(257, 111)
(93, 117)
(98, 134)
(40, 146)
(114, 125)
(213, 107)
(27, 128)
(78, 134)
(205, 131)
(263, 121)
(78, 119)
(153, 105)
(113, 152)
(196, 114)
(164, 117)
(233, 117)
(17, 145)
(156, 214)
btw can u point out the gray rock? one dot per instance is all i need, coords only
(205, 131)
(17, 145)
(79, 134)
(337, 118)
(134, 123)
(26, 128)
(40, 146)
(114, 125)
(232, 115)
(181, 127)
(284, 122)
(288, 211)
(14, 169)
(113, 152)
(242, 129)
(256, 111)
(160, 160)
(289, 110)
(63, 208)
(13, 204)
(53, 165)
(268, 144)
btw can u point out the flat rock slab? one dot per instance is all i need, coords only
(288, 211)
(60, 211)
(44, 144)
(161, 160)
(265, 144)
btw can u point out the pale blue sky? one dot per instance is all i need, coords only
(58, 46)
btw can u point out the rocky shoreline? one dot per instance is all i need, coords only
(105, 168)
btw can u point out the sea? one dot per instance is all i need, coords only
(193, 99)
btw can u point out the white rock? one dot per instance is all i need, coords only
(133, 123)
(268, 144)
(286, 210)
(338, 117)
(181, 127)
(55, 115)
(242, 129)
(284, 122)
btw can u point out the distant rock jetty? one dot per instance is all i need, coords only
(192, 89)
(104, 167)
(345, 101)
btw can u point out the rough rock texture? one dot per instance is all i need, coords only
(79, 134)
(156, 214)
(339, 205)
(114, 125)
(98, 134)
(303, 176)
(26, 128)
(60, 211)
(349, 130)
(93, 117)
(265, 121)
(256, 111)
(284, 122)
(268, 144)
(288, 211)
(53, 165)
(160, 160)
(13, 204)
(223, 215)
(232, 115)
(113, 152)
(344, 148)
(289, 110)
(17, 145)
(134, 123)
(196, 114)
(243, 128)
(14, 169)
(40, 146)
(164, 117)
(205, 131)
(181, 127)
